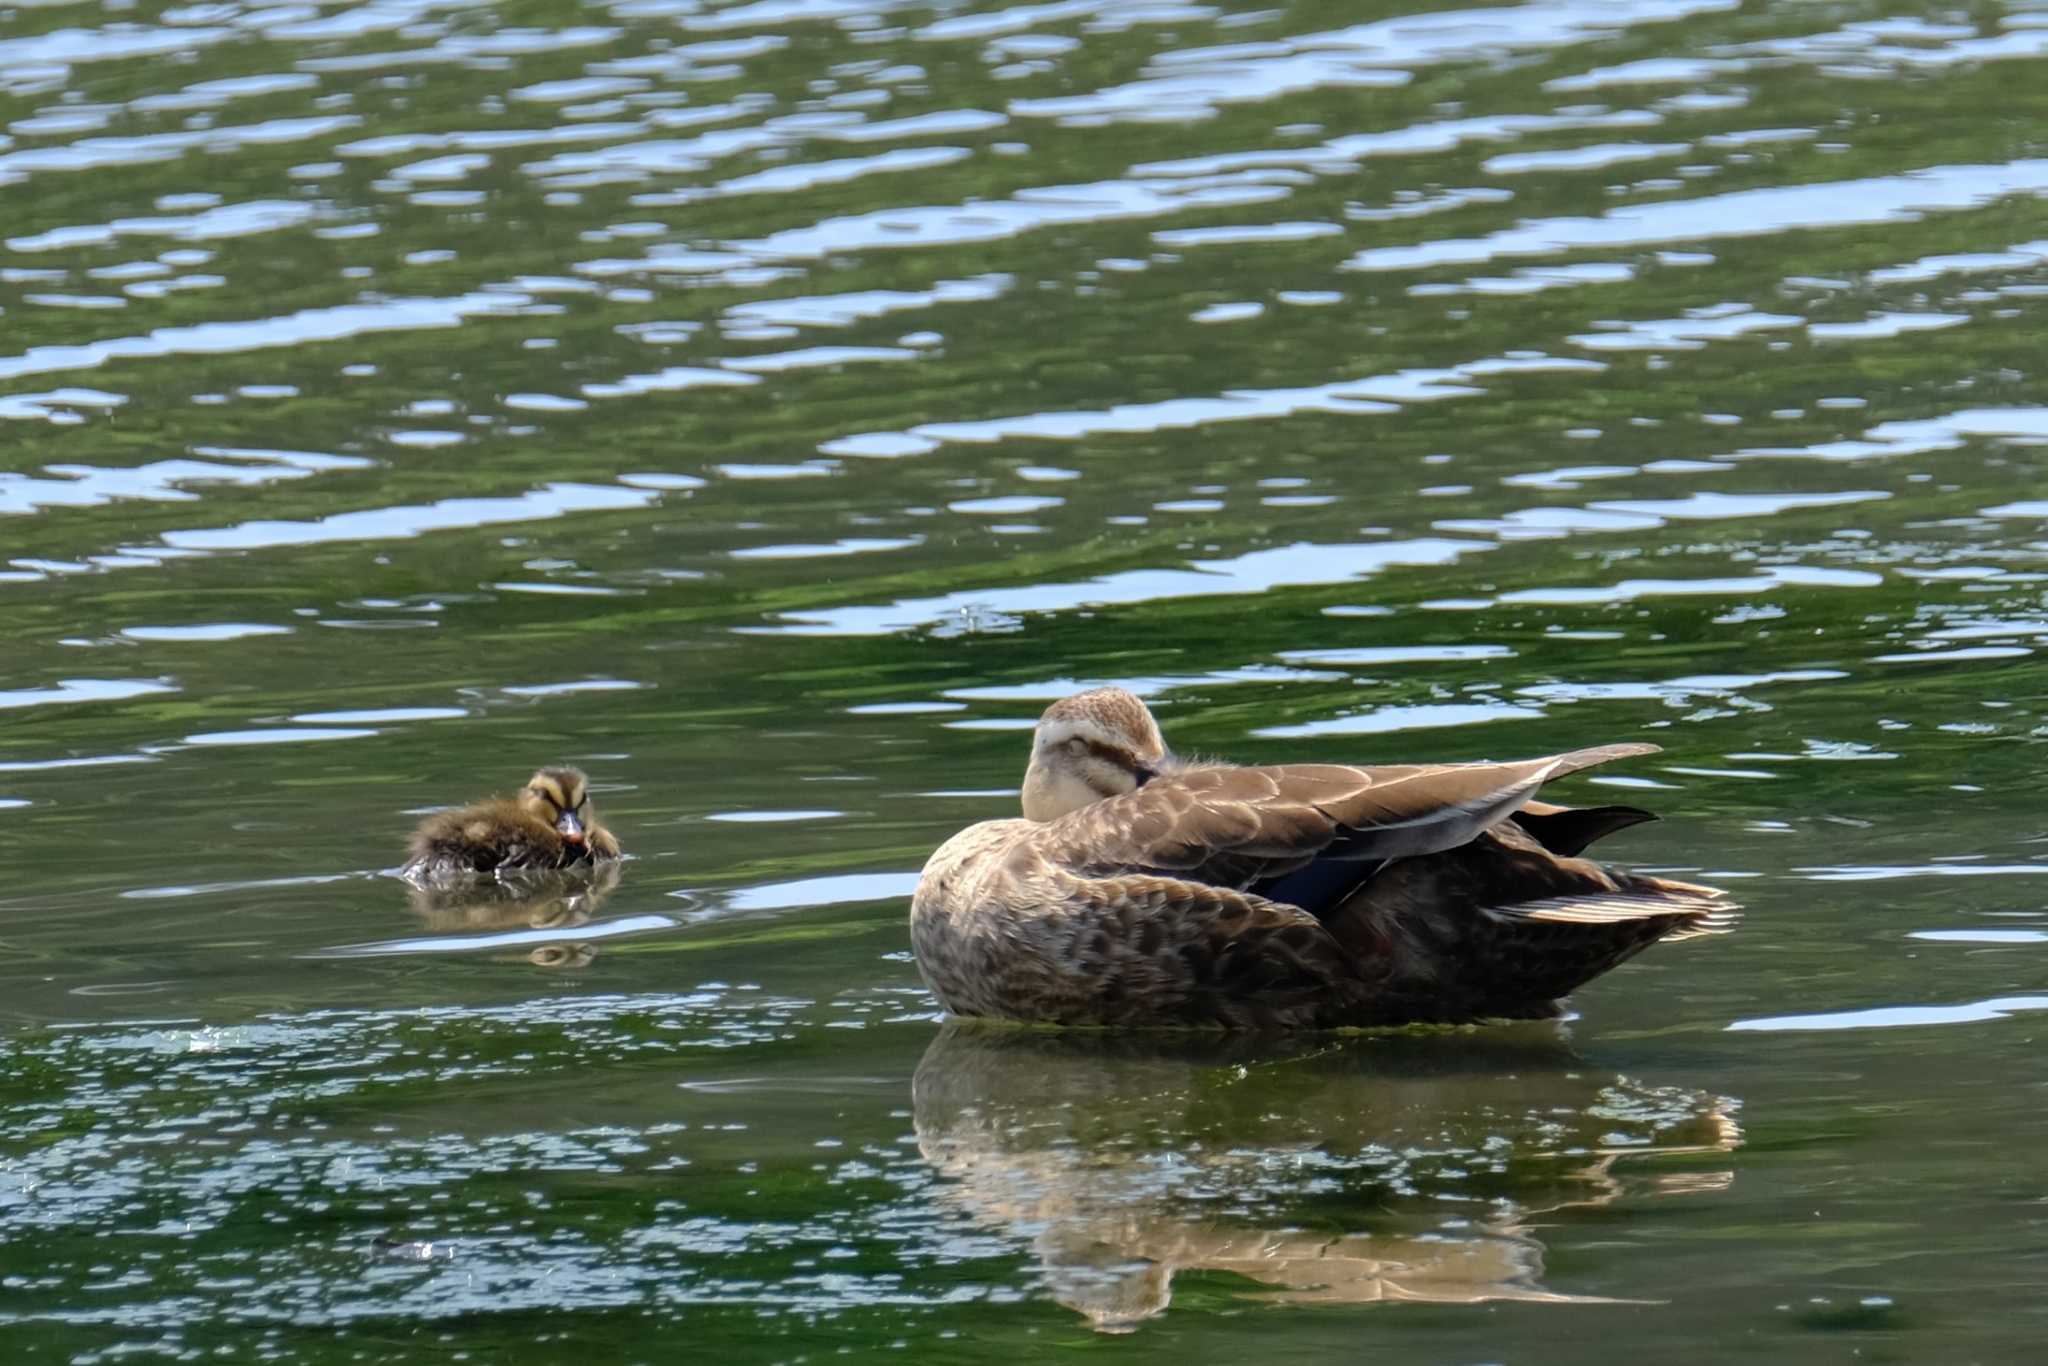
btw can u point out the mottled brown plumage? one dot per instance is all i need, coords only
(1151, 892)
(551, 825)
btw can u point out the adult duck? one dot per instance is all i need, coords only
(1142, 890)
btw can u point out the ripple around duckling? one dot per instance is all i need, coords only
(472, 943)
(213, 888)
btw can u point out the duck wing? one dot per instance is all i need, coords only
(1258, 828)
(1567, 830)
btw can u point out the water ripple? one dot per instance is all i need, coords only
(768, 406)
(1742, 213)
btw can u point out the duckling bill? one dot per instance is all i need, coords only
(549, 826)
(1142, 889)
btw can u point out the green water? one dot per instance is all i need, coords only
(770, 406)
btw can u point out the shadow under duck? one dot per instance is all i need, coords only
(1141, 889)
(549, 826)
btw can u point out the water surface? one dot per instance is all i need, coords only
(769, 406)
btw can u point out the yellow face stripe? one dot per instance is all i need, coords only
(550, 789)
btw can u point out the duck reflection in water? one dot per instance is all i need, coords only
(532, 901)
(1126, 1161)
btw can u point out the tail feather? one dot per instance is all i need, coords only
(1502, 926)
(1723, 921)
(1700, 910)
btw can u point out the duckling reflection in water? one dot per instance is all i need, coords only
(561, 957)
(550, 826)
(521, 901)
(1110, 1155)
(1141, 889)
(524, 901)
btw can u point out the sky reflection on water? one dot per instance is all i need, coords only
(767, 406)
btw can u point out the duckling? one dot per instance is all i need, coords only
(1143, 889)
(550, 825)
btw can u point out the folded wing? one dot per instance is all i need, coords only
(1253, 827)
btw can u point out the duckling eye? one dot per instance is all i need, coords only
(1077, 746)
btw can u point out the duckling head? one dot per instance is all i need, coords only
(561, 798)
(1095, 744)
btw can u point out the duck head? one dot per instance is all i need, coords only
(560, 797)
(1096, 744)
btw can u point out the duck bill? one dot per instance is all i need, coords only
(1145, 772)
(570, 828)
